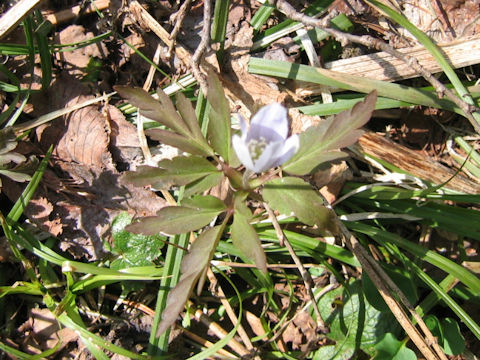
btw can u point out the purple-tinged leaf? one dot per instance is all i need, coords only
(162, 110)
(203, 184)
(204, 202)
(245, 238)
(331, 134)
(219, 126)
(181, 170)
(174, 220)
(179, 141)
(193, 265)
(293, 196)
(187, 112)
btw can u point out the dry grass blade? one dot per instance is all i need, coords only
(15, 14)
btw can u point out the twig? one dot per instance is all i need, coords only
(15, 14)
(231, 314)
(372, 42)
(178, 18)
(205, 39)
(307, 279)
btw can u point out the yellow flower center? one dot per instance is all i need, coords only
(256, 147)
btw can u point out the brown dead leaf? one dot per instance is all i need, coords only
(77, 60)
(255, 323)
(301, 332)
(44, 333)
(40, 210)
(80, 194)
(331, 179)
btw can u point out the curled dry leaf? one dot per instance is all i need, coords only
(82, 192)
(77, 60)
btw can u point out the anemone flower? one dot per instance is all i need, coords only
(264, 144)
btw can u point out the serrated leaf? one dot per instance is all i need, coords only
(205, 203)
(187, 112)
(203, 184)
(331, 134)
(161, 110)
(389, 348)
(291, 195)
(181, 170)
(174, 220)
(244, 236)
(219, 127)
(179, 141)
(193, 265)
(135, 249)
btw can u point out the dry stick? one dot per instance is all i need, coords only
(178, 18)
(205, 343)
(15, 14)
(66, 15)
(231, 314)
(307, 279)
(372, 42)
(148, 311)
(198, 54)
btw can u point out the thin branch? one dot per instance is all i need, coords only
(231, 314)
(377, 44)
(178, 18)
(307, 279)
(204, 42)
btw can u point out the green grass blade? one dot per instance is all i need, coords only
(21, 203)
(261, 16)
(220, 19)
(434, 50)
(173, 260)
(462, 274)
(326, 77)
(43, 48)
(220, 344)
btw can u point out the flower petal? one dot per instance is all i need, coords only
(241, 149)
(243, 126)
(290, 147)
(269, 156)
(270, 122)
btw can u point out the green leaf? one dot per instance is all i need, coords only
(179, 141)
(293, 195)
(176, 220)
(318, 143)
(448, 334)
(404, 281)
(389, 348)
(453, 340)
(193, 266)
(219, 127)
(204, 203)
(244, 236)
(162, 110)
(135, 249)
(181, 170)
(203, 184)
(354, 324)
(187, 112)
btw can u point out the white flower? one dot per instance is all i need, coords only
(265, 144)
